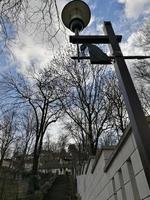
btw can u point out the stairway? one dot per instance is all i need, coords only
(60, 189)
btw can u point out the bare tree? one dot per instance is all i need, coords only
(76, 133)
(38, 14)
(47, 144)
(83, 87)
(50, 145)
(28, 124)
(142, 75)
(75, 157)
(119, 116)
(142, 67)
(39, 97)
(7, 134)
(26, 136)
(62, 141)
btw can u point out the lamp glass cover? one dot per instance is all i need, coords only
(76, 11)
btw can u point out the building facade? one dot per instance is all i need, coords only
(114, 174)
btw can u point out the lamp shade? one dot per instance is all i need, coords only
(76, 15)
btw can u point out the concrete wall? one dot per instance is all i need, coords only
(114, 174)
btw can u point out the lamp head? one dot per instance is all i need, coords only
(76, 15)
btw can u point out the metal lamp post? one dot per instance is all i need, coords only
(76, 16)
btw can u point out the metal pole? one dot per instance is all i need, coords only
(112, 57)
(138, 121)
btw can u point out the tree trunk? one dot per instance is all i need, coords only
(91, 142)
(37, 152)
(92, 148)
(91, 145)
(96, 145)
(22, 163)
(1, 162)
(35, 157)
(2, 158)
(35, 163)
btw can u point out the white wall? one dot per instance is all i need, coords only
(122, 179)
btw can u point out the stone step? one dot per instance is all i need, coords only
(60, 189)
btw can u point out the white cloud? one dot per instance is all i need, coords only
(56, 129)
(121, 1)
(32, 43)
(99, 28)
(28, 51)
(134, 8)
(129, 47)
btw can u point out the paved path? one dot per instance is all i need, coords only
(60, 189)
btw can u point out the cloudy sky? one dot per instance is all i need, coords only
(127, 17)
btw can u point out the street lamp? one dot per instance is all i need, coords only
(76, 18)
(76, 15)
